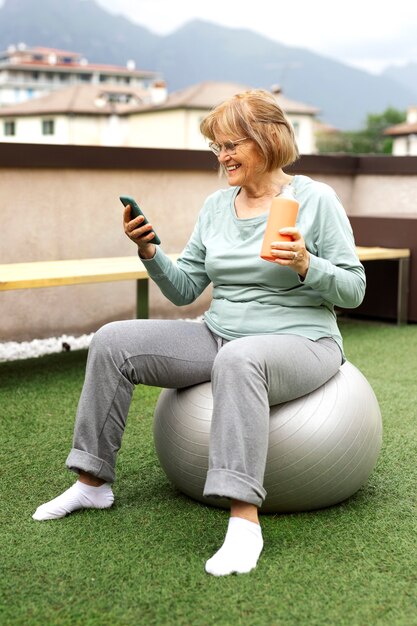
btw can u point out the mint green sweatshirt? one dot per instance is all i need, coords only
(252, 296)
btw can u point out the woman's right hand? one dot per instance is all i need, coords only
(141, 235)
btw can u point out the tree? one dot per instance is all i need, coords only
(369, 140)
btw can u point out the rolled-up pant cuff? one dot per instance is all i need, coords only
(223, 483)
(78, 460)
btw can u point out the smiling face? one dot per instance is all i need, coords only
(245, 166)
(256, 114)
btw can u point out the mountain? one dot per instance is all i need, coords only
(406, 75)
(344, 94)
(204, 51)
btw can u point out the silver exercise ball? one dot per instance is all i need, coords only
(322, 447)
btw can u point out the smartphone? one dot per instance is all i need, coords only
(135, 211)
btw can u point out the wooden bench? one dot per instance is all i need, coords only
(77, 272)
(82, 271)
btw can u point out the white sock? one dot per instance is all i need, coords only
(79, 496)
(240, 551)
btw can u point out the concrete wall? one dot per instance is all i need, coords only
(49, 213)
(384, 195)
(61, 202)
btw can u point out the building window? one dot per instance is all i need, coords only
(48, 127)
(10, 128)
(296, 128)
(118, 97)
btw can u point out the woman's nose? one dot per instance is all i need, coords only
(223, 156)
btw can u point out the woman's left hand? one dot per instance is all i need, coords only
(292, 254)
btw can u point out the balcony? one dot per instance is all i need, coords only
(61, 202)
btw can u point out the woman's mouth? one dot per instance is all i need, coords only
(232, 168)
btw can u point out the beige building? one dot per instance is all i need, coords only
(78, 115)
(110, 115)
(27, 73)
(405, 135)
(175, 123)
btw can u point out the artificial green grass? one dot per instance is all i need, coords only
(142, 562)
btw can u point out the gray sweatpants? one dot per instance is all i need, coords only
(248, 376)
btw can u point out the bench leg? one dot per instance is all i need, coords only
(402, 293)
(142, 298)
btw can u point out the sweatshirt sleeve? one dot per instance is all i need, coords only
(335, 270)
(181, 282)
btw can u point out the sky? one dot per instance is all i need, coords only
(367, 34)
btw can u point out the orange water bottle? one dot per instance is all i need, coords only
(283, 213)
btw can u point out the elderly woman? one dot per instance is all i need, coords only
(269, 336)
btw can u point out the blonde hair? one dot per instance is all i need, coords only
(255, 114)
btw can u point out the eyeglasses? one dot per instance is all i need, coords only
(228, 146)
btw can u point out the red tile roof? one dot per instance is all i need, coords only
(401, 129)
